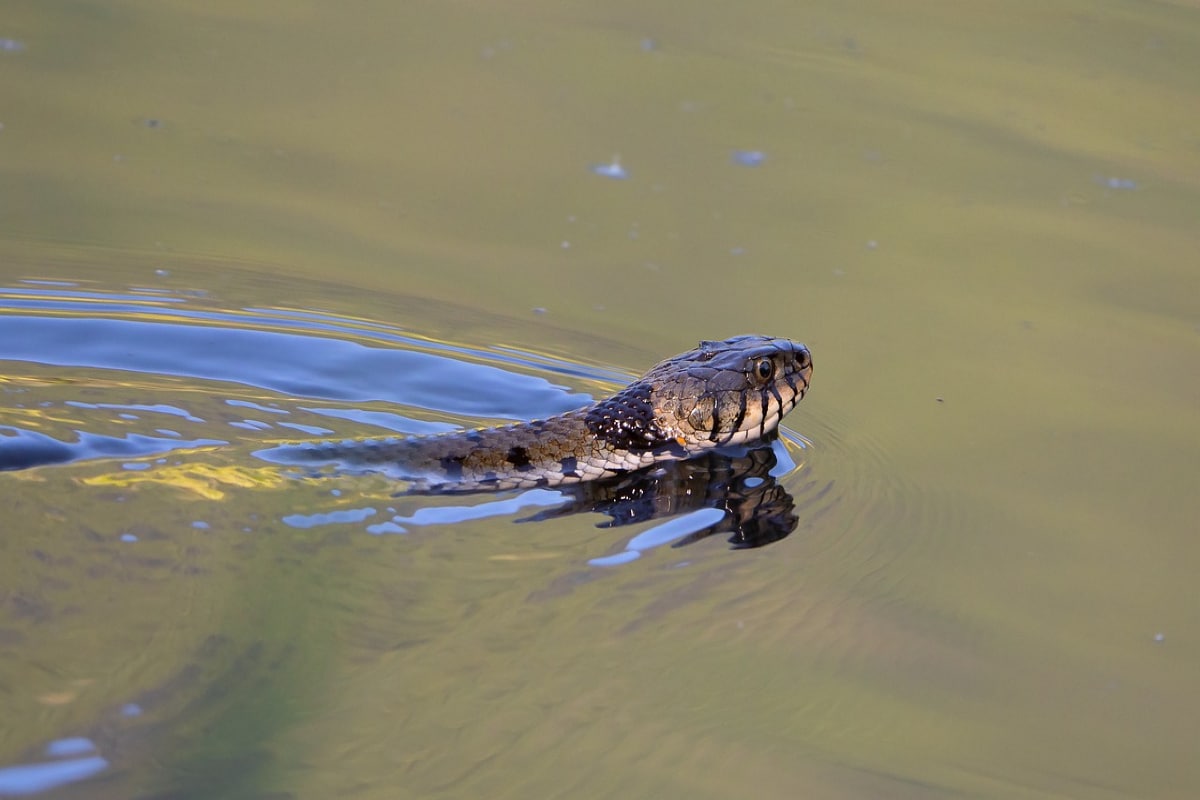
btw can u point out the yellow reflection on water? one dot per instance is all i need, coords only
(208, 482)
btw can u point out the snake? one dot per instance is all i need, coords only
(719, 395)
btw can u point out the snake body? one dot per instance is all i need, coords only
(721, 394)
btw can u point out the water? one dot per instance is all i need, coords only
(225, 227)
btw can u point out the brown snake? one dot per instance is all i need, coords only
(720, 394)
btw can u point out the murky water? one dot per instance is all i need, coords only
(224, 227)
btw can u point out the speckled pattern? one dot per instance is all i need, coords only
(721, 393)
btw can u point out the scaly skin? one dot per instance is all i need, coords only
(720, 394)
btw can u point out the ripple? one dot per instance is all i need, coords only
(94, 369)
(874, 490)
(287, 363)
(85, 366)
(870, 535)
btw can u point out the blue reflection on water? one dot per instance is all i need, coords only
(749, 158)
(784, 463)
(305, 366)
(328, 517)
(255, 406)
(250, 425)
(445, 515)
(433, 515)
(670, 531)
(311, 430)
(381, 528)
(612, 169)
(158, 408)
(21, 448)
(383, 419)
(70, 746)
(23, 779)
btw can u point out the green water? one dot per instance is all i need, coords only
(983, 218)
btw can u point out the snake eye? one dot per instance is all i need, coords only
(764, 369)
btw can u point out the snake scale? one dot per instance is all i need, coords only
(722, 393)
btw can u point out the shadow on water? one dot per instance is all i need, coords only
(741, 488)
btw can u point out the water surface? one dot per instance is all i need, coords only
(224, 226)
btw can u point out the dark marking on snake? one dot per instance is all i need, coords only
(570, 467)
(452, 466)
(519, 457)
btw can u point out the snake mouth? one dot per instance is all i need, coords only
(805, 376)
(781, 396)
(797, 375)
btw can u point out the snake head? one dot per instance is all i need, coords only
(729, 392)
(721, 393)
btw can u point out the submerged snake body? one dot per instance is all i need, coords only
(720, 394)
